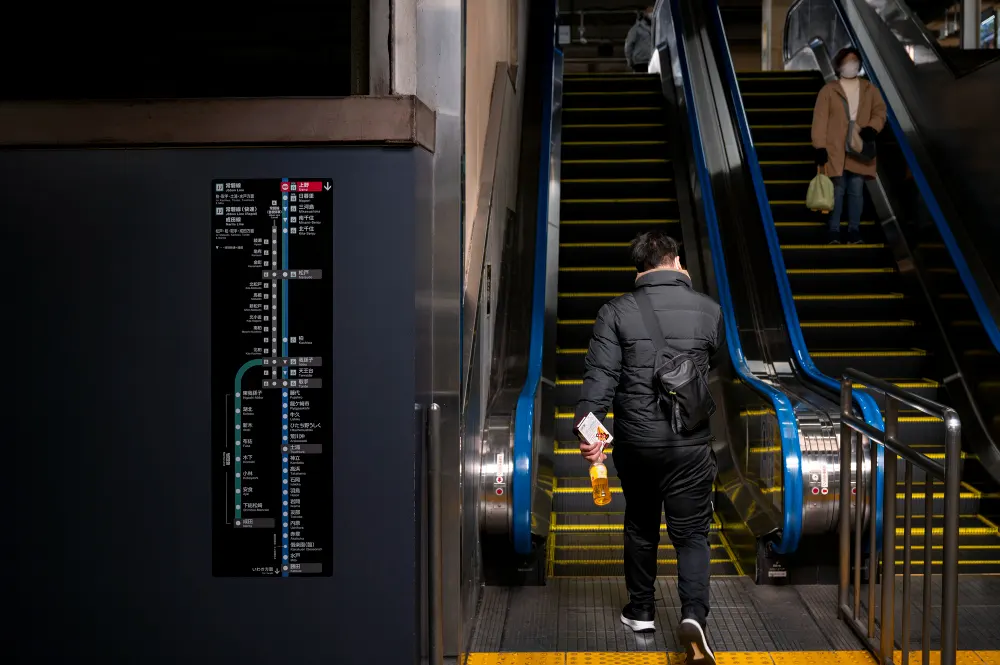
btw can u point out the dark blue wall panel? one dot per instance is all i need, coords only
(107, 412)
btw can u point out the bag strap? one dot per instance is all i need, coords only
(847, 108)
(649, 321)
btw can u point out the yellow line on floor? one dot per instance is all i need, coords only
(721, 657)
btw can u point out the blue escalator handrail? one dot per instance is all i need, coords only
(524, 417)
(957, 257)
(787, 422)
(863, 401)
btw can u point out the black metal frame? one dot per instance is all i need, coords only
(950, 472)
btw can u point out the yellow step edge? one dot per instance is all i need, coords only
(906, 385)
(911, 353)
(570, 382)
(597, 269)
(594, 244)
(583, 93)
(571, 528)
(615, 108)
(632, 180)
(611, 562)
(649, 160)
(814, 224)
(575, 322)
(851, 296)
(754, 75)
(617, 125)
(839, 271)
(599, 222)
(569, 415)
(637, 200)
(867, 245)
(858, 324)
(565, 143)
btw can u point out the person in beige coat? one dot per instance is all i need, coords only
(849, 105)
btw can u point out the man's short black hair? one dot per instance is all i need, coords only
(651, 249)
(838, 59)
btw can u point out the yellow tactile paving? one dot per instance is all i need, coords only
(822, 658)
(722, 658)
(743, 658)
(522, 658)
(591, 658)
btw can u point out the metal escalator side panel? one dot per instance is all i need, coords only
(782, 406)
(864, 402)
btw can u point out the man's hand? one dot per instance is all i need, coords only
(592, 452)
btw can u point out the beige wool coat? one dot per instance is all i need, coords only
(831, 122)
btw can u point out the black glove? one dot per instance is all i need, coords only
(821, 156)
(868, 134)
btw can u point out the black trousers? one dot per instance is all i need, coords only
(678, 481)
(643, 68)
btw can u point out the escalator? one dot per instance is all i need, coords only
(855, 307)
(617, 180)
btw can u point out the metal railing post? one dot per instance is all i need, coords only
(846, 435)
(888, 537)
(949, 574)
(950, 472)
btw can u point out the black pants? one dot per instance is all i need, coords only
(643, 68)
(679, 481)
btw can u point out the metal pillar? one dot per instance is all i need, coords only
(972, 11)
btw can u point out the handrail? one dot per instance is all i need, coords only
(864, 402)
(930, 200)
(522, 481)
(787, 421)
(951, 473)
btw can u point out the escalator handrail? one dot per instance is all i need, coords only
(863, 401)
(787, 422)
(944, 229)
(522, 480)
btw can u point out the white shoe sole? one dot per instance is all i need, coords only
(693, 638)
(639, 626)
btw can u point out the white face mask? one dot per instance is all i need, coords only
(850, 70)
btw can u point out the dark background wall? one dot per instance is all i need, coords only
(179, 49)
(107, 450)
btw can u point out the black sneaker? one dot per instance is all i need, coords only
(692, 636)
(834, 241)
(855, 241)
(639, 620)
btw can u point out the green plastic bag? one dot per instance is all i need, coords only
(819, 197)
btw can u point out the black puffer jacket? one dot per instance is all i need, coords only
(620, 358)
